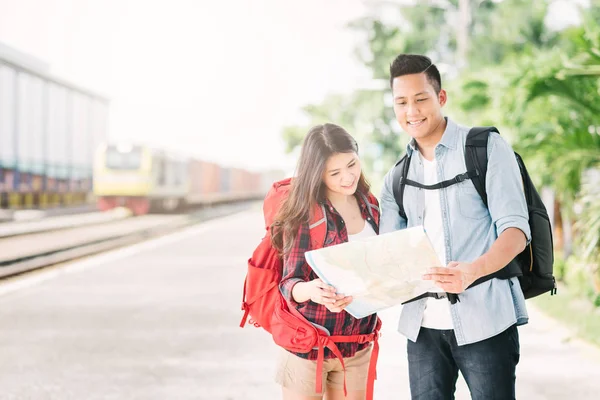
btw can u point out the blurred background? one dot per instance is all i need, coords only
(153, 106)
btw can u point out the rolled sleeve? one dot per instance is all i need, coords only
(390, 218)
(295, 267)
(504, 185)
(286, 290)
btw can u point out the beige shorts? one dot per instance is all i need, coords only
(299, 375)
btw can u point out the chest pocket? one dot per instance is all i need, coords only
(330, 238)
(469, 202)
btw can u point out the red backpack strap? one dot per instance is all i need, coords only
(325, 341)
(318, 227)
(247, 302)
(245, 307)
(373, 362)
(329, 342)
(373, 368)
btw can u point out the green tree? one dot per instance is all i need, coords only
(490, 32)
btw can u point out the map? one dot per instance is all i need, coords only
(379, 271)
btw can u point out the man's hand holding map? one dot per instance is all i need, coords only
(378, 272)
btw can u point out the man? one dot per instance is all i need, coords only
(476, 333)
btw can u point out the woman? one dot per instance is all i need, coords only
(328, 173)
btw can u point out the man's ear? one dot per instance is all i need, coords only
(443, 97)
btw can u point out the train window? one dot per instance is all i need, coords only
(123, 158)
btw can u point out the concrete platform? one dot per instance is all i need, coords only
(36, 243)
(51, 223)
(159, 320)
(7, 215)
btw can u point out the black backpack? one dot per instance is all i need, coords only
(534, 265)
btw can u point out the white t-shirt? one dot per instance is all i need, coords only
(366, 232)
(437, 311)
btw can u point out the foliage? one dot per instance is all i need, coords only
(502, 65)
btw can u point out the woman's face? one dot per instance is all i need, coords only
(342, 171)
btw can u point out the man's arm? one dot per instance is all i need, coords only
(508, 209)
(504, 185)
(458, 276)
(390, 220)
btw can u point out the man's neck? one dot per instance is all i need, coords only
(427, 144)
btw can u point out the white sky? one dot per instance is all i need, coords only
(217, 79)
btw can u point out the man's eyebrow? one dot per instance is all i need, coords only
(418, 94)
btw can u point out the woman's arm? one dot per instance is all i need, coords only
(296, 286)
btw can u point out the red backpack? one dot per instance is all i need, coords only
(266, 306)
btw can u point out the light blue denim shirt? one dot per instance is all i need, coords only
(470, 229)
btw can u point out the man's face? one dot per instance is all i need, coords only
(417, 107)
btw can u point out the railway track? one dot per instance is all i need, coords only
(24, 253)
(25, 228)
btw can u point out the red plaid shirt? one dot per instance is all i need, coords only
(296, 269)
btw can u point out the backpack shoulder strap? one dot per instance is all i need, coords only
(399, 175)
(372, 205)
(318, 227)
(476, 156)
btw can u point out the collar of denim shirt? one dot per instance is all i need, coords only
(449, 138)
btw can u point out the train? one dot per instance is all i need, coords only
(49, 130)
(146, 179)
(54, 152)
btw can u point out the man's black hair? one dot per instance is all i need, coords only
(408, 64)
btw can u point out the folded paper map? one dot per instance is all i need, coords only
(379, 271)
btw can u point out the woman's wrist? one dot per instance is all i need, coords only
(299, 292)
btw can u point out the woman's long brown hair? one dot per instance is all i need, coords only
(308, 189)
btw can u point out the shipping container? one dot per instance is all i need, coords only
(23, 134)
(48, 127)
(8, 155)
(81, 139)
(211, 178)
(225, 180)
(29, 126)
(195, 177)
(98, 123)
(242, 181)
(37, 125)
(236, 179)
(58, 155)
(256, 183)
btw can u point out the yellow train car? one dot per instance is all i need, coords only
(140, 178)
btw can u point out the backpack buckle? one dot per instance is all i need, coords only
(453, 298)
(460, 178)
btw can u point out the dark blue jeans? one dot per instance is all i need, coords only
(487, 366)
